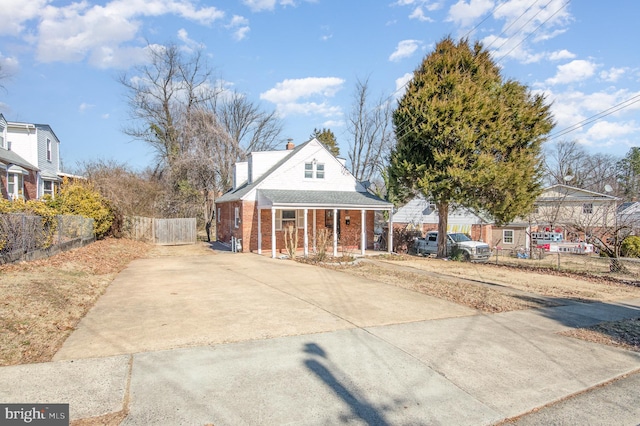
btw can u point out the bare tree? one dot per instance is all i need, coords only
(161, 93)
(369, 125)
(563, 160)
(207, 160)
(248, 126)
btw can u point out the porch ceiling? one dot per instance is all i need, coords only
(268, 198)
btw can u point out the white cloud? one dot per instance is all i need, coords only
(288, 94)
(291, 90)
(80, 30)
(405, 49)
(465, 13)
(573, 71)
(605, 130)
(401, 84)
(15, 13)
(8, 65)
(559, 55)
(260, 5)
(613, 74)
(240, 26)
(85, 107)
(105, 116)
(418, 14)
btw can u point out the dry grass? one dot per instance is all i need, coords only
(42, 301)
(474, 295)
(624, 334)
(547, 283)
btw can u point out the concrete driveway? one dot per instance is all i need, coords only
(230, 339)
(216, 297)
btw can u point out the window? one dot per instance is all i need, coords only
(47, 188)
(1, 141)
(237, 217)
(536, 209)
(286, 218)
(218, 216)
(48, 149)
(15, 185)
(313, 169)
(587, 208)
(507, 236)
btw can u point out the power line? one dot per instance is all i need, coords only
(615, 108)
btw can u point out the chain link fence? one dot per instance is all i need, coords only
(22, 234)
(624, 268)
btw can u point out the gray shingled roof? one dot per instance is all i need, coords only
(10, 157)
(283, 197)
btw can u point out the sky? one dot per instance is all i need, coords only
(60, 61)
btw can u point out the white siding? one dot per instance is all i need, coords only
(291, 174)
(24, 142)
(240, 173)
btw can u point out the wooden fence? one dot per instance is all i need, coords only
(161, 231)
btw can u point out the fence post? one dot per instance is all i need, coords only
(558, 261)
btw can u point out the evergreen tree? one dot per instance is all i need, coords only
(629, 174)
(328, 139)
(467, 137)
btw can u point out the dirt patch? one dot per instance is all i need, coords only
(624, 334)
(42, 301)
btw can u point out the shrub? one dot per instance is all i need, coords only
(43, 238)
(80, 198)
(630, 246)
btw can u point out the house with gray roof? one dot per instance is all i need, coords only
(305, 189)
(29, 159)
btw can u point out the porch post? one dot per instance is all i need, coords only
(273, 232)
(390, 239)
(363, 231)
(259, 232)
(306, 233)
(315, 225)
(335, 232)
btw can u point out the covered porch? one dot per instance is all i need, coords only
(349, 216)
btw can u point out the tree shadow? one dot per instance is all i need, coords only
(358, 404)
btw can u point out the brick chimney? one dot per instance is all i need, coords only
(290, 144)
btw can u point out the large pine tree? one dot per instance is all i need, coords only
(466, 136)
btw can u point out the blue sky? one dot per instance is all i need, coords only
(303, 57)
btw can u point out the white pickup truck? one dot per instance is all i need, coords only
(474, 251)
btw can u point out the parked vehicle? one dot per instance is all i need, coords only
(474, 251)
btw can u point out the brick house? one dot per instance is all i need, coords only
(304, 188)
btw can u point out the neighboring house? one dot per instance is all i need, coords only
(575, 212)
(422, 214)
(629, 218)
(304, 188)
(38, 148)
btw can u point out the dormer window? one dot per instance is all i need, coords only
(314, 170)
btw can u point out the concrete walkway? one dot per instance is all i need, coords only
(230, 339)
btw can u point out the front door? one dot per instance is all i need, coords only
(328, 221)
